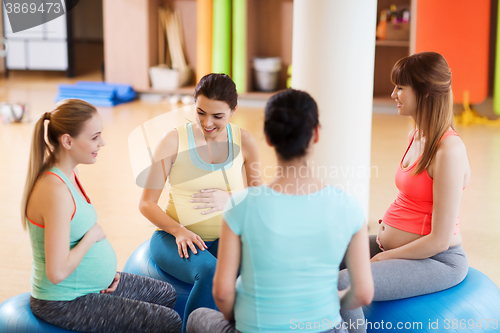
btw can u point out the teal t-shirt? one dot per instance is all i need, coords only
(95, 272)
(292, 246)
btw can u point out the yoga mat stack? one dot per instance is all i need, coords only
(221, 40)
(239, 45)
(203, 38)
(221, 37)
(97, 93)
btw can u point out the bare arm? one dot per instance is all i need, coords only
(361, 290)
(226, 272)
(164, 156)
(448, 170)
(56, 207)
(250, 152)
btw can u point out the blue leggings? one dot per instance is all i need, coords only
(198, 269)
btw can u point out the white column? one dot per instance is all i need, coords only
(333, 58)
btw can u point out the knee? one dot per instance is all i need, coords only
(206, 271)
(176, 321)
(461, 274)
(344, 280)
(194, 319)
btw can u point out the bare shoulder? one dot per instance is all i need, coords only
(170, 138)
(49, 182)
(167, 146)
(451, 146)
(51, 186)
(50, 195)
(451, 153)
(247, 137)
(248, 142)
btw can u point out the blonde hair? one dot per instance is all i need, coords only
(68, 117)
(429, 75)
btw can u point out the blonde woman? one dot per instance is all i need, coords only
(75, 285)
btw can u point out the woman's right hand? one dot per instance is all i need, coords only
(186, 238)
(96, 233)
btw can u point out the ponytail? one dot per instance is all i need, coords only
(39, 149)
(68, 117)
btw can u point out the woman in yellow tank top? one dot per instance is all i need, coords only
(203, 162)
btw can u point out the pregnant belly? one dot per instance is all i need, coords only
(391, 238)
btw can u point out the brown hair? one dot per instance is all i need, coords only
(429, 75)
(290, 119)
(68, 117)
(218, 87)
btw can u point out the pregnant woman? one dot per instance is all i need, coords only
(74, 280)
(203, 162)
(418, 247)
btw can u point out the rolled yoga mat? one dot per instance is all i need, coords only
(203, 38)
(221, 37)
(239, 45)
(496, 88)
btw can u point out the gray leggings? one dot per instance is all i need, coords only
(139, 304)
(403, 278)
(204, 320)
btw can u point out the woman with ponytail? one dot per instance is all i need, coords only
(75, 285)
(289, 238)
(418, 247)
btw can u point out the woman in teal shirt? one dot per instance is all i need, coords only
(74, 281)
(289, 238)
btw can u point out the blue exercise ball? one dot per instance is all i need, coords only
(141, 263)
(471, 306)
(16, 317)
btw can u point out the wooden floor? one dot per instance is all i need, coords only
(111, 186)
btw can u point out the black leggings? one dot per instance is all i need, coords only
(139, 304)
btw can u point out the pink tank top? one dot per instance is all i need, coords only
(412, 209)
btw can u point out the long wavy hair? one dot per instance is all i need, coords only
(68, 117)
(429, 75)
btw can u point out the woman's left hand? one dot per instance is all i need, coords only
(113, 285)
(213, 198)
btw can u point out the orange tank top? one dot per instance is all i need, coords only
(412, 209)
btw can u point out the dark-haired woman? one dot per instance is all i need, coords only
(289, 238)
(74, 280)
(418, 247)
(204, 163)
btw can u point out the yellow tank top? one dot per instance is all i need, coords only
(189, 174)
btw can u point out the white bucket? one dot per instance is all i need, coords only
(267, 71)
(166, 79)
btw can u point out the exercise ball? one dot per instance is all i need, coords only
(141, 263)
(16, 317)
(471, 306)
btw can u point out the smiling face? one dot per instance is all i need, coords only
(212, 116)
(85, 146)
(406, 99)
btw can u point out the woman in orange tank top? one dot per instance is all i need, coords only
(417, 249)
